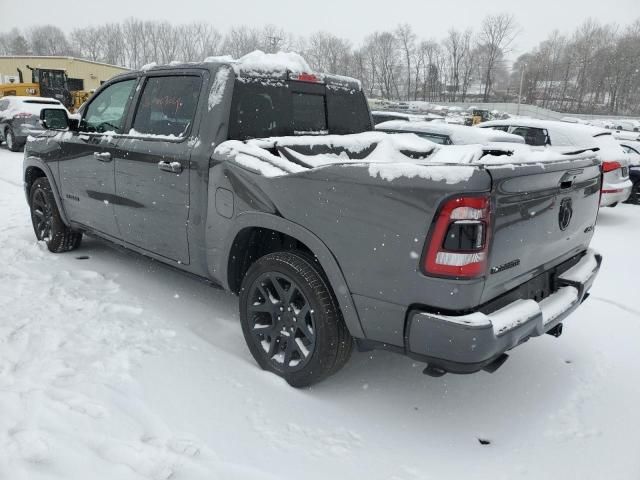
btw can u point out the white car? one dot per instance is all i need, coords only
(448, 133)
(616, 186)
(20, 118)
(380, 116)
(628, 125)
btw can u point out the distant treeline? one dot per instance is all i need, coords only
(595, 69)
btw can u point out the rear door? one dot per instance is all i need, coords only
(88, 157)
(542, 215)
(152, 172)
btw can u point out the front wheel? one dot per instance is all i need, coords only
(47, 222)
(291, 320)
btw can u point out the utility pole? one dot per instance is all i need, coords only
(274, 42)
(524, 65)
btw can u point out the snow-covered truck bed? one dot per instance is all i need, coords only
(268, 180)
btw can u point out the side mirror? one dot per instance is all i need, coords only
(54, 119)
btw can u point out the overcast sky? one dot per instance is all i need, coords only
(346, 18)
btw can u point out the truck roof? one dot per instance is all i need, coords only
(257, 64)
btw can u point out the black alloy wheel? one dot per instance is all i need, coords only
(291, 320)
(47, 222)
(281, 321)
(41, 215)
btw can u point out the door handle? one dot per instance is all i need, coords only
(172, 167)
(102, 157)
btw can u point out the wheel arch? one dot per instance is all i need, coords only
(257, 234)
(35, 168)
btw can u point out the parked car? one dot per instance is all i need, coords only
(626, 136)
(380, 116)
(633, 150)
(628, 125)
(616, 186)
(268, 180)
(449, 134)
(20, 117)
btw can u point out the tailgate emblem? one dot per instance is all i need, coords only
(566, 212)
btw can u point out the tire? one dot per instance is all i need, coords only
(614, 204)
(12, 143)
(47, 222)
(634, 198)
(291, 320)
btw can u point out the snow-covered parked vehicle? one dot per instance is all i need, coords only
(20, 117)
(564, 137)
(268, 180)
(449, 134)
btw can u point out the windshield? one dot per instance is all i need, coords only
(265, 108)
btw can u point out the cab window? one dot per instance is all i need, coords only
(167, 106)
(107, 111)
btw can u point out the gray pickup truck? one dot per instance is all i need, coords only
(268, 181)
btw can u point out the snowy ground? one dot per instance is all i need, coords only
(116, 367)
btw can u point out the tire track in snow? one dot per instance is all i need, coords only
(621, 306)
(11, 182)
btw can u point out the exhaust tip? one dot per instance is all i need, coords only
(556, 331)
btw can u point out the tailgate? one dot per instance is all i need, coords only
(543, 214)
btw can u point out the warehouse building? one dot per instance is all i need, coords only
(82, 74)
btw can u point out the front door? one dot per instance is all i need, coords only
(152, 173)
(87, 166)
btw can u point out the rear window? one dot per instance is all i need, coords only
(309, 113)
(265, 108)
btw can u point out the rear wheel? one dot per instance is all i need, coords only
(291, 320)
(47, 223)
(12, 143)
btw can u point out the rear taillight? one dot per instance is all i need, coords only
(610, 166)
(458, 246)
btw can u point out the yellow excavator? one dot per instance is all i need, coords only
(45, 82)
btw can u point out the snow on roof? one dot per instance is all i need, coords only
(259, 62)
(278, 65)
(30, 97)
(550, 125)
(459, 134)
(568, 135)
(622, 135)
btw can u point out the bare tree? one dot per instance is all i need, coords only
(497, 33)
(48, 40)
(328, 53)
(457, 45)
(406, 39)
